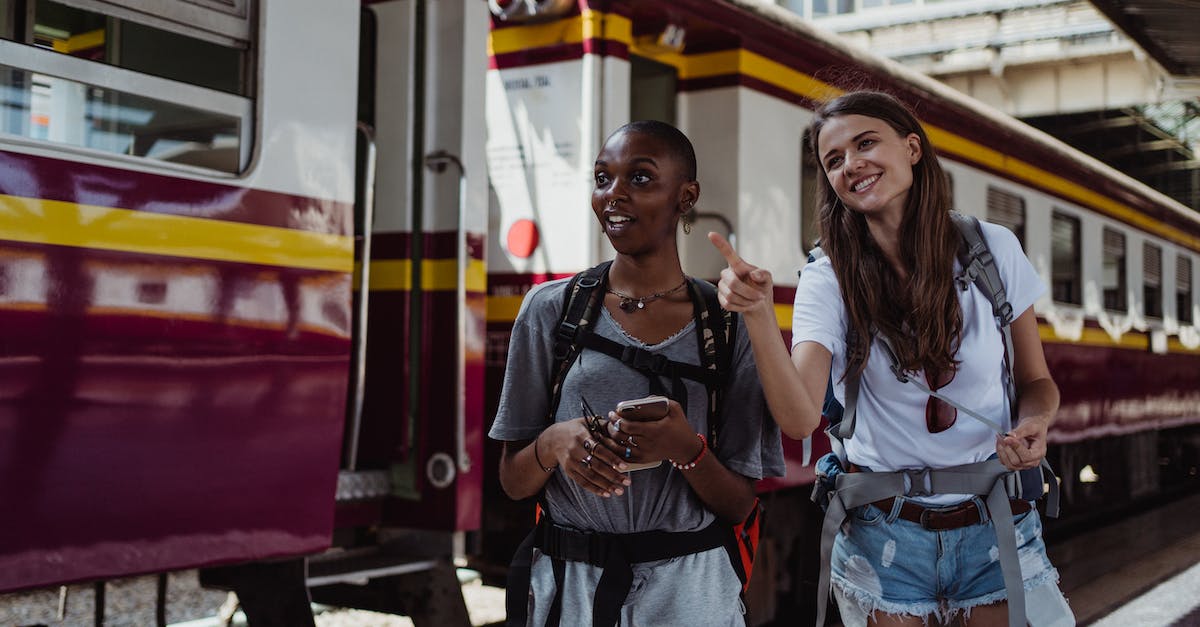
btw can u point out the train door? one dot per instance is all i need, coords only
(412, 457)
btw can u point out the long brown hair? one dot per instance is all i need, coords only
(920, 316)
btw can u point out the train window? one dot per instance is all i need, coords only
(949, 187)
(1183, 289)
(1066, 273)
(1112, 270)
(652, 89)
(1152, 280)
(1007, 210)
(98, 81)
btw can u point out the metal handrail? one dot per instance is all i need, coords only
(359, 366)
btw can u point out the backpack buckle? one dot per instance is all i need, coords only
(567, 331)
(642, 359)
(918, 482)
(1004, 313)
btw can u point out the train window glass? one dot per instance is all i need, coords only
(1066, 273)
(949, 187)
(810, 170)
(100, 82)
(1007, 210)
(1112, 270)
(78, 114)
(96, 37)
(1183, 289)
(1152, 280)
(820, 8)
(652, 89)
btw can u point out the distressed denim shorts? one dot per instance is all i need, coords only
(882, 563)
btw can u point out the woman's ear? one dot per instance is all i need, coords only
(914, 148)
(688, 196)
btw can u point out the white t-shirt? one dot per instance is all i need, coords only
(890, 432)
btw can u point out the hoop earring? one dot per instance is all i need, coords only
(687, 228)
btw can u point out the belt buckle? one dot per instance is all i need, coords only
(925, 518)
(954, 515)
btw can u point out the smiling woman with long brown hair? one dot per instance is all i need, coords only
(655, 539)
(891, 314)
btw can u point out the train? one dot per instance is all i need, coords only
(259, 263)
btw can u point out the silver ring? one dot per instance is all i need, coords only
(631, 442)
(588, 445)
(628, 452)
(587, 461)
(618, 424)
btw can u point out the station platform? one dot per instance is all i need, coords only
(1143, 571)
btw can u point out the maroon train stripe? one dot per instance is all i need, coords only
(31, 176)
(439, 245)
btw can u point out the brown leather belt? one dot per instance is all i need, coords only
(945, 518)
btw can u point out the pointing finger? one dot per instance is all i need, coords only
(725, 248)
(739, 265)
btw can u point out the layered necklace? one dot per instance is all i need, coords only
(630, 304)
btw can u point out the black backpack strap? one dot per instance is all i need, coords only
(581, 303)
(716, 333)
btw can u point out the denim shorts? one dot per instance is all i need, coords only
(883, 563)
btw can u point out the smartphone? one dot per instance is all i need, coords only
(643, 409)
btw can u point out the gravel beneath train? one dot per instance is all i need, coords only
(131, 603)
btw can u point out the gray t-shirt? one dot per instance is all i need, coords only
(659, 498)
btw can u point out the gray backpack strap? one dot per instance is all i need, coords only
(903, 377)
(989, 479)
(1047, 474)
(979, 267)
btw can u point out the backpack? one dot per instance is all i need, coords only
(716, 332)
(837, 491)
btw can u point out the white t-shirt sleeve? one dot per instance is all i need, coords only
(818, 314)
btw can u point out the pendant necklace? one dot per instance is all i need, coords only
(630, 304)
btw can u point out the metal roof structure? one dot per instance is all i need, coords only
(1165, 29)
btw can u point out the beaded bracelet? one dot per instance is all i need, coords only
(692, 464)
(538, 458)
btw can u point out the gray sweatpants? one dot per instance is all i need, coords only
(697, 589)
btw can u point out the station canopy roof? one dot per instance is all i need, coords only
(1154, 143)
(1166, 29)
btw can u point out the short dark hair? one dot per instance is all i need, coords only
(678, 143)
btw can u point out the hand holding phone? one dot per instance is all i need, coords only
(646, 409)
(653, 407)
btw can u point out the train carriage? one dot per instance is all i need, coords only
(259, 261)
(187, 193)
(741, 79)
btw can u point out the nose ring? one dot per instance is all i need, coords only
(612, 204)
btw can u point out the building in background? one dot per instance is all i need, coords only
(1119, 80)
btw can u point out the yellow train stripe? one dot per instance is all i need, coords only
(1096, 337)
(436, 275)
(503, 308)
(39, 221)
(783, 315)
(574, 30)
(746, 63)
